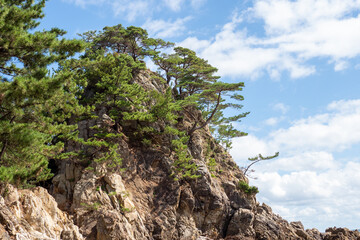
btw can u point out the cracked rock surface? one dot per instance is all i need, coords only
(144, 201)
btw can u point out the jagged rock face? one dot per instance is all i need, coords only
(33, 214)
(144, 202)
(341, 234)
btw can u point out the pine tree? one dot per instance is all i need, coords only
(132, 40)
(105, 79)
(257, 159)
(196, 86)
(34, 104)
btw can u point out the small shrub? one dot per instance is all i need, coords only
(251, 190)
(146, 142)
(126, 210)
(89, 169)
(211, 163)
(113, 193)
(95, 206)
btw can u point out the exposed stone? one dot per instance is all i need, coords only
(33, 214)
(241, 223)
(145, 202)
(341, 234)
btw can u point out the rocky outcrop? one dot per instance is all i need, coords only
(341, 234)
(142, 200)
(33, 214)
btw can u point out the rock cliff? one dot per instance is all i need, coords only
(142, 201)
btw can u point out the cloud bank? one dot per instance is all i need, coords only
(290, 35)
(294, 34)
(308, 173)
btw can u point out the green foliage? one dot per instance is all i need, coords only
(183, 166)
(126, 210)
(196, 87)
(113, 193)
(34, 105)
(91, 207)
(211, 163)
(146, 142)
(164, 107)
(251, 190)
(257, 159)
(105, 81)
(104, 76)
(224, 133)
(102, 148)
(133, 41)
(33, 50)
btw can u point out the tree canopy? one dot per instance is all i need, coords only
(36, 104)
(196, 85)
(33, 104)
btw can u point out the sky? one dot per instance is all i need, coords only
(300, 62)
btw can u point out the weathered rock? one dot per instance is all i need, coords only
(341, 234)
(242, 223)
(33, 214)
(145, 202)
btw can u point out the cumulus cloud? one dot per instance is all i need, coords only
(295, 32)
(166, 29)
(249, 146)
(284, 16)
(307, 172)
(292, 33)
(332, 195)
(334, 131)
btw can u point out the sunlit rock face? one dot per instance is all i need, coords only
(143, 200)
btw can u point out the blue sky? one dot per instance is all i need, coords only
(300, 61)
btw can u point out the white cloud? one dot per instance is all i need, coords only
(332, 195)
(345, 106)
(341, 65)
(129, 9)
(249, 146)
(307, 173)
(235, 53)
(197, 3)
(334, 131)
(284, 16)
(295, 33)
(272, 121)
(283, 108)
(195, 44)
(306, 161)
(174, 5)
(132, 9)
(166, 29)
(84, 3)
